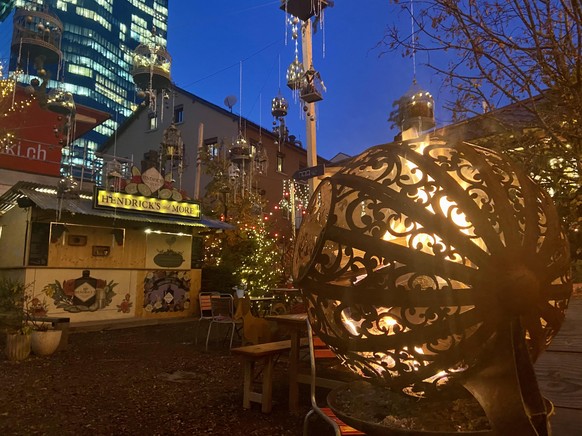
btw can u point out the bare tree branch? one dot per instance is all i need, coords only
(525, 54)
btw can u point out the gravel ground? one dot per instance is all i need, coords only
(138, 381)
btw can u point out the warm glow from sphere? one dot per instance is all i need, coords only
(413, 254)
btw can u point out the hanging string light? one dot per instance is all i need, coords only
(301, 196)
(10, 106)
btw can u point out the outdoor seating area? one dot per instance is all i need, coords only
(246, 318)
(271, 387)
(300, 358)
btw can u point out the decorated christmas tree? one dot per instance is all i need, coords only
(246, 256)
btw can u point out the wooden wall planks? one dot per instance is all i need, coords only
(559, 373)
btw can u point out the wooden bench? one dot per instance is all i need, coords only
(255, 353)
(58, 323)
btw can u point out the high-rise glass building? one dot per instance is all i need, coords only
(98, 40)
(5, 8)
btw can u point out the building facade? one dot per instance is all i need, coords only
(97, 45)
(204, 126)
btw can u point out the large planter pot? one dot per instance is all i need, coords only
(45, 343)
(17, 346)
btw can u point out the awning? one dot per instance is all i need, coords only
(46, 198)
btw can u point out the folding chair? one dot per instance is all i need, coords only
(320, 353)
(205, 310)
(222, 307)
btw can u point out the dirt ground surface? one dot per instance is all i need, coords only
(149, 380)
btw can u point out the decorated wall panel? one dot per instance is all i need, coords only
(172, 251)
(83, 295)
(168, 293)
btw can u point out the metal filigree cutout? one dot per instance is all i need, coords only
(412, 254)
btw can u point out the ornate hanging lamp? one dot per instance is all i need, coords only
(172, 154)
(295, 74)
(240, 150)
(416, 109)
(37, 36)
(279, 106)
(151, 67)
(151, 72)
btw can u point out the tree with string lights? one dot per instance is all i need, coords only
(247, 255)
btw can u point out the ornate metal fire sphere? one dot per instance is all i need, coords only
(425, 263)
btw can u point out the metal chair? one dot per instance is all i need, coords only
(222, 307)
(320, 352)
(205, 310)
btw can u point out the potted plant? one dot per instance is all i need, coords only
(13, 319)
(44, 339)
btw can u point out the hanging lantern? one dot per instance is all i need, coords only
(425, 264)
(303, 9)
(295, 74)
(151, 67)
(240, 150)
(416, 109)
(311, 87)
(61, 102)
(279, 106)
(37, 35)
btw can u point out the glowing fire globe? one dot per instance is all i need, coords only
(414, 255)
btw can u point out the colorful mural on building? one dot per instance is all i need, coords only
(83, 294)
(166, 291)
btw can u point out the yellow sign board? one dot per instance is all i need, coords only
(138, 203)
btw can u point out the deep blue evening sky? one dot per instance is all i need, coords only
(208, 39)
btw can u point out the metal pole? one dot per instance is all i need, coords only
(293, 209)
(199, 160)
(310, 120)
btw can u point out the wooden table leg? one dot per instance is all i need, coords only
(293, 370)
(248, 368)
(267, 398)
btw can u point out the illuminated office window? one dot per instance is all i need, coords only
(81, 71)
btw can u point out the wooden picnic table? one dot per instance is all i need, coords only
(261, 306)
(285, 290)
(295, 323)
